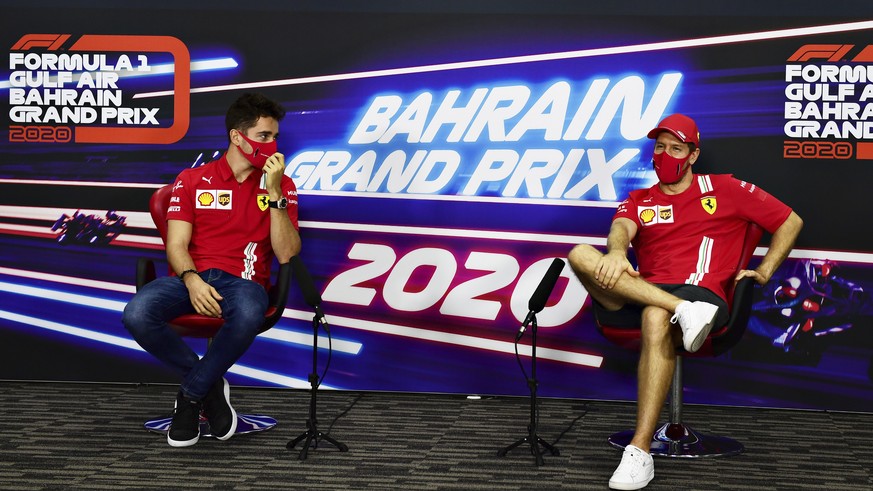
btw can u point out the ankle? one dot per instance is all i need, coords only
(683, 304)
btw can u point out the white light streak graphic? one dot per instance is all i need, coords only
(456, 232)
(565, 55)
(293, 337)
(463, 198)
(275, 333)
(162, 69)
(104, 184)
(242, 370)
(139, 219)
(61, 296)
(571, 357)
(71, 330)
(69, 280)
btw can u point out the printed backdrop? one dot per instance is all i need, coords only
(443, 160)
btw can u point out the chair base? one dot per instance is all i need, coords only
(246, 423)
(680, 441)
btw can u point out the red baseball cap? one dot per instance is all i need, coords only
(681, 126)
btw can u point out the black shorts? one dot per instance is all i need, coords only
(630, 315)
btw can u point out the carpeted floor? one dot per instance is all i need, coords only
(89, 436)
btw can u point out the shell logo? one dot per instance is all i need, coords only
(205, 199)
(647, 215)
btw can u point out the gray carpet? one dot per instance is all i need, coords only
(88, 436)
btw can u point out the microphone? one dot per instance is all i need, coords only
(307, 287)
(540, 296)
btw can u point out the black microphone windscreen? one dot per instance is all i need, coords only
(305, 283)
(540, 296)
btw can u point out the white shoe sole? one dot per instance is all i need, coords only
(698, 340)
(234, 420)
(182, 443)
(623, 486)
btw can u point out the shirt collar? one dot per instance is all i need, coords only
(226, 173)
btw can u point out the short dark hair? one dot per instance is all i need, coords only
(245, 111)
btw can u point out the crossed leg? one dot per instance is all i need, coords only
(659, 336)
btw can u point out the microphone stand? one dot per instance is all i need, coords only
(312, 432)
(532, 438)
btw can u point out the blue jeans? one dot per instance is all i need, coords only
(147, 314)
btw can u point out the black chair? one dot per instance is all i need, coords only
(675, 438)
(201, 326)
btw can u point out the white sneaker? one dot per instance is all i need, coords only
(635, 471)
(696, 320)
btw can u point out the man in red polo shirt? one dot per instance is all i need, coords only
(687, 233)
(226, 222)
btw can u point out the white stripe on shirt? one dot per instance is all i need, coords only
(249, 262)
(705, 184)
(704, 257)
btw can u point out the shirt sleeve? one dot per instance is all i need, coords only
(628, 209)
(759, 206)
(181, 201)
(289, 189)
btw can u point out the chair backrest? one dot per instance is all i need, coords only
(158, 205)
(739, 300)
(754, 232)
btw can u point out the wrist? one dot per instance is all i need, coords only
(279, 204)
(183, 273)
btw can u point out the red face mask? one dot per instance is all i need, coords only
(260, 151)
(668, 168)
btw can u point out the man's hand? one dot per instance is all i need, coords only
(274, 170)
(754, 274)
(203, 296)
(610, 267)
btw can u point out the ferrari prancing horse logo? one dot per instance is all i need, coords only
(263, 201)
(709, 204)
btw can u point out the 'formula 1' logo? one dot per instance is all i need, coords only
(831, 52)
(74, 94)
(827, 110)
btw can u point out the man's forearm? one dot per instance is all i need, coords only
(618, 239)
(284, 238)
(180, 260)
(780, 245)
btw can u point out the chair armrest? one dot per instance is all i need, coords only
(731, 334)
(278, 294)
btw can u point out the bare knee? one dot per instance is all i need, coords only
(583, 258)
(656, 327)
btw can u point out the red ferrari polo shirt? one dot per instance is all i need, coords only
(695, 237)
(230, 220)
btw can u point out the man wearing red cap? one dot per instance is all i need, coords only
(687, 233)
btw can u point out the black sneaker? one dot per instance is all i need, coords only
(185, 427)
(219, 412)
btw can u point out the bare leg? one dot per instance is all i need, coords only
(583, 258)
(659, 336)
(655, 372)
